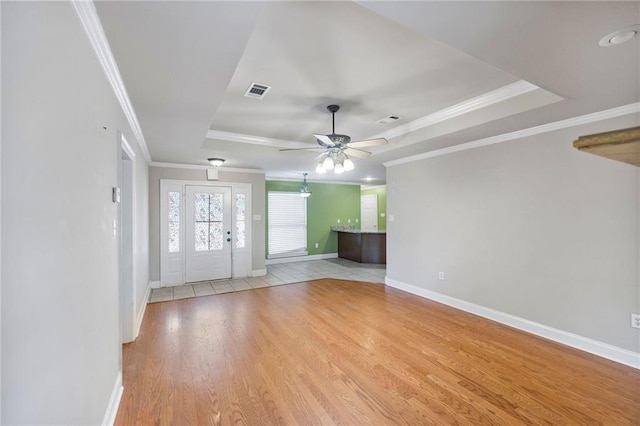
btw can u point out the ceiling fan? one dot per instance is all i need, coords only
(339, 147)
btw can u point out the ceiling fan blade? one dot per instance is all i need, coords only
(324, 139)
(315, 148)
(368, 142)
(354, 152)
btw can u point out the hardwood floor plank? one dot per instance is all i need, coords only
(343, 352)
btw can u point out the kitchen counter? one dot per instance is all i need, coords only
(354, 230)
(361, 246)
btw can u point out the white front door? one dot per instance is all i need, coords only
(208, 233)
(369, 212)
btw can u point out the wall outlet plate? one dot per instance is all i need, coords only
(635, 320)
(441, 275)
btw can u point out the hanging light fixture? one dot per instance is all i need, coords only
(304, 190)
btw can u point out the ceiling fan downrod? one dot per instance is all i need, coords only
(333, 109)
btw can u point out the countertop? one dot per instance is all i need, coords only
(351, 230)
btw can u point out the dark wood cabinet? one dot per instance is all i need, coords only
(363, 247)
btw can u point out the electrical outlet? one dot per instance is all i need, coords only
(348, 220)
(317, 245)
(338, 220)
(441, 275)
(635, 320)
(356, 220)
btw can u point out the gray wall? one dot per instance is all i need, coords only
(531, 227)
(257, 202)
(60, 307)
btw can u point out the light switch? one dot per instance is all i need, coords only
(338, 220)
(391, 218)
(257, 217)
(382, 215)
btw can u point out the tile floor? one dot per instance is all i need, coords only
(281, 273)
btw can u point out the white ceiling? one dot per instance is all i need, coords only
(454, 71)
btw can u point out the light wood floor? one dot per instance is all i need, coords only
(344, 352)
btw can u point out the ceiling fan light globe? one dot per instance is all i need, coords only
(348, 165)
(328, 163)
(339, 168)
(320, 168)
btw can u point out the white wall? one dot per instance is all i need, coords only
(60, 304)
(257, 204)
(532, 228)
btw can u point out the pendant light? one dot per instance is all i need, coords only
(304, 190)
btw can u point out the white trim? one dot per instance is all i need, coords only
(367, 187)
(501, 94)
(154, 284)
(258, 140)
(88, 16)
(142, 311)
(286, 179)
(544, 128)
(604, 350)
(259, 272)
(114, 402)
(199, 167)
(301, 258)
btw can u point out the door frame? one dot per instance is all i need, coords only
(241, 258)
(127, 239)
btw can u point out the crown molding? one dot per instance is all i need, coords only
(86, 11)
(495, 96)
(299, 180)
(200, 167)
(544, 128)
(256, 140)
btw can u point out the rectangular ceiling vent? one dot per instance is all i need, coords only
(388, 120)
(257, 90)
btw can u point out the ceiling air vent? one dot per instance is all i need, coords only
(388, 120)
(257, 90)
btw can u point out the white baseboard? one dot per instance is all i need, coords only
(604, 350)
(154, 284)
(114, 402)
(301, 258)
(259, 272)
(142, 310)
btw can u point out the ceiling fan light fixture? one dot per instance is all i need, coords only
(339, 168)
(348, 164)
(320, 168)
(328, 163)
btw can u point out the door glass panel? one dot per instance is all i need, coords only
(174, 222)
(215, 235)
(201, 201)
(208, 212)
(215, 207)
(240, 234)
(202, 236)
(240, 218)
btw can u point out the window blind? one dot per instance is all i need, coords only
(287, 224)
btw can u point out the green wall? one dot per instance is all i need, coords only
(381, 192)
(327, 204)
